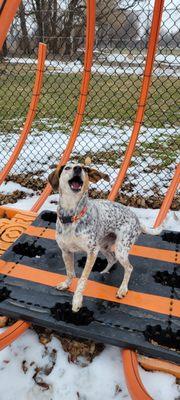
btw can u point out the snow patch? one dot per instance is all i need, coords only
(93, 139)
(9, 187)
(135, 65)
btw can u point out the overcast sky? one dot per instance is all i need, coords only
(171, 14)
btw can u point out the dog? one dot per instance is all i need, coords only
(84, 224)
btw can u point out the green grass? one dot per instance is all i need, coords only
(165, 151)
(110, 97)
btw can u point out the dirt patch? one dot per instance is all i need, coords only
(81, 348)
(80, 351)
(128, 200)
(137, 200)
(13, 197)
(125, 197)
(3, 321)
(111, 157)
(28, 180)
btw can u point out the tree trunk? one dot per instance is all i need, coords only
(54, 28)
(78, 40)
(4, 51)
(38, 10)
(67, 30)
(25, 39)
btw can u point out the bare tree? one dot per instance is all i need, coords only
(66, 32)
(4, 51)
(62, 27)
(48, 16)
(54, 21)
(38, 7)
(25, 42)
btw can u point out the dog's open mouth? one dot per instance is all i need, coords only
(75, 183)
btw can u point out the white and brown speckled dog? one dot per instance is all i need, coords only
(90, 225)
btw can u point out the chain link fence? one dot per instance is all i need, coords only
(122, 32)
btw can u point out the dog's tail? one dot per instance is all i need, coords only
(152, 231)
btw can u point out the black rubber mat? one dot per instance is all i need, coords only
(151, 333)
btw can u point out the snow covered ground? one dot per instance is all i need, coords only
(101, 379)
(170, 59)
(114, 64)
(146, 216)
(96, 139)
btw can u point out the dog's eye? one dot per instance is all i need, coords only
(66, 168)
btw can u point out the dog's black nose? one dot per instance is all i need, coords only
(77, 169)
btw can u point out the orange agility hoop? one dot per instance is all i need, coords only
(130, 359)
(11, 333)
(169, 197)
(31, 112)
(90, 32)
(8, 10)
(153, 39)
(133, 380)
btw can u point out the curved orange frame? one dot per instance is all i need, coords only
(169, 197)
(154, 364)
(133, 380)
(130, 360)
(12, 333)
(90, 32)
(19, 327)
(8, 10)
(31, 112)
(154, 33)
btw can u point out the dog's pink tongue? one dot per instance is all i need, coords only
(75, 185)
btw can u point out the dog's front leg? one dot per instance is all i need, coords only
(69, 264)
(78, 295)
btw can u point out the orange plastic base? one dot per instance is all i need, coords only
(152, 364)
(13, 223)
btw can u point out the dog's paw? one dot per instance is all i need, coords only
(63, 285)
(77, 302)
(122, 292)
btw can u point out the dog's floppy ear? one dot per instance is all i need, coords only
(53, 178)
(95, 176)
